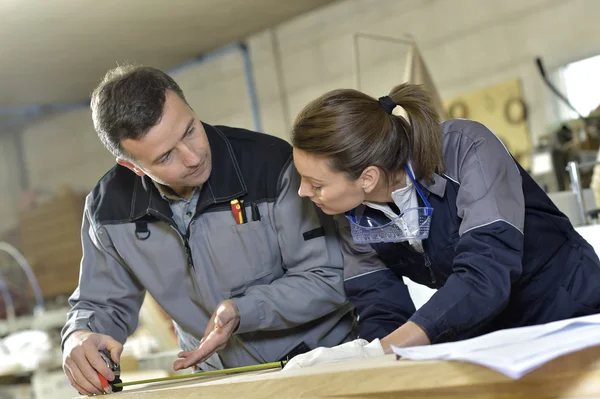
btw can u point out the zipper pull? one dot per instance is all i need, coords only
(188, 253)
(428, 266)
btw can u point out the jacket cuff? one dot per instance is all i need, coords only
(250, 314)
(431, 329)
(70, 329)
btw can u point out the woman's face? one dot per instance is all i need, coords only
(329, 190)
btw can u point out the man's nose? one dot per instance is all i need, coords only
(190, 158)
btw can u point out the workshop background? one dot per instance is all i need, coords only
(255, 64)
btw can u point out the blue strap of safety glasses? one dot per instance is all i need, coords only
(412, 178)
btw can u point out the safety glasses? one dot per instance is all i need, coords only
(412, 223)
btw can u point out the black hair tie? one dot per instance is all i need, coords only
(387, 103)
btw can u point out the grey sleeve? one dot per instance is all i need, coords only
(379, 295)
(312, 285)
(490, 182)
(108, 298)
(359, 259)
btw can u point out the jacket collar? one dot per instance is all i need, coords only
(436, 185)
(224, 183)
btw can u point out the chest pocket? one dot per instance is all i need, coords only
(237, 257)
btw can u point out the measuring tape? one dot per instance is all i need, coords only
(117, 385)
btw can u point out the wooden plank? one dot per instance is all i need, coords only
(573, 376)
(62, 226)
(50, 239)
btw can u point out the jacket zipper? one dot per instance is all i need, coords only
(427, 262)
(428, 266)
(186, 246)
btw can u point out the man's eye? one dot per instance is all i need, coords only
(189, 132)
(165, 158)
(317, 188)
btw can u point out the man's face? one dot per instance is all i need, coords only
(175, 152)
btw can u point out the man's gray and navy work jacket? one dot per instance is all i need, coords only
(283, 267)
(499, 252)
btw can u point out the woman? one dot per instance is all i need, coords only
(445, 205)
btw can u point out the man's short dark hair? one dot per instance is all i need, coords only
(128, 103)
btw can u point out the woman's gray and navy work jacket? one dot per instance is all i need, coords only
(499, 252)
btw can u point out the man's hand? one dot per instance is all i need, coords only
(223, 322)
(82, 361)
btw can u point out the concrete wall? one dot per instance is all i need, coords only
(466, 44)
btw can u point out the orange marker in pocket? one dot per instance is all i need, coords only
(236, 211)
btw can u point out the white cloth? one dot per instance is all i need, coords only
(24, 351)
(359, 348)
(404, 198)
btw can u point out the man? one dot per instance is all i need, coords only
(243, 291)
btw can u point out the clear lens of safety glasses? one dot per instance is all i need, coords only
(411, 224)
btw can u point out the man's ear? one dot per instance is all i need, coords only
(131, 166)
(369, 178)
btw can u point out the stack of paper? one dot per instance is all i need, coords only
(515, 352)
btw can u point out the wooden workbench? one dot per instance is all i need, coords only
(573, 376)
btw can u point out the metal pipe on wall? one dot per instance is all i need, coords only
(247, 63)
(278, 63)
(575, 177)
(27, 269)
(251, 85)
(22, 168)
(573, 168)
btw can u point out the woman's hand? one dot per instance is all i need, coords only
(410, 334)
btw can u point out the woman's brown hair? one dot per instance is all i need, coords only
(353, 131)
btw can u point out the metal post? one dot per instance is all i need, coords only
(276, 47)
(251, 86)
(576, 188)
(21, 165)
(356, 62)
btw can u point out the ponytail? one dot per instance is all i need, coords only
(353, 131)
(425, 136)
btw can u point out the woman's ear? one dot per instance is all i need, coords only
(369, 178)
